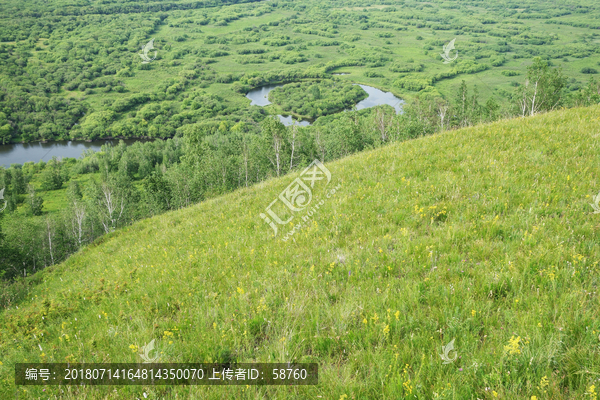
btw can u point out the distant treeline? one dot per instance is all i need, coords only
(126, 8)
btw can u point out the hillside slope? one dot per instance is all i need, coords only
(483, 235)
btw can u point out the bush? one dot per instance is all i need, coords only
(497, 61)
(34, 201)
(413, 84)
(188, 73)
(51, 177)
(317, 99)
(588, 70)
(373, 74)
(351, 38)
(293, 58)
(400, 67)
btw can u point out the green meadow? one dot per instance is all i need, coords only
(467, 219)
(483, 235)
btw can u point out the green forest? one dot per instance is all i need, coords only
(74, 71)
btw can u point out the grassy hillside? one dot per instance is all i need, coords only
(484, 235)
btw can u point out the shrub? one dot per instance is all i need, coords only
(412, 84)
(51, 177)
(293, 58)
(497, 61)
(373, 74)
(399, 67)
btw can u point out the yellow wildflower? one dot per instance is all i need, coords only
(513, 346)
(592, 392)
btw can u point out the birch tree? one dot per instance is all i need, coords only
(543, 89)
(442, 108)
(111, 207)
(49, 235)
(77, 219)
(320, 144)
(274, 133)
(293, 144)
(381, 124)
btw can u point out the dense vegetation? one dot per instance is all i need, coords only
(493, 207)
(316, 99)
(483, 235)
(55, 208)
(72, 71)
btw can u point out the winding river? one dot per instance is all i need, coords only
(260, 97)
(21, 153)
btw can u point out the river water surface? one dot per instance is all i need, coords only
(260, 97)
(22, 153)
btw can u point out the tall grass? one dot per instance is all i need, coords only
(484, 235)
